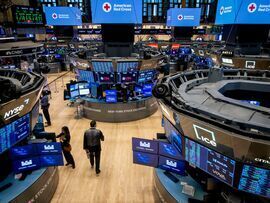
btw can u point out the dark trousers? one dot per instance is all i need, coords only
(95, 154)
(47, 115)
(69, 158)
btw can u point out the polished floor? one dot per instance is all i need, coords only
(120, 180)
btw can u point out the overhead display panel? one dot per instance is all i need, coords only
(63, 16)
(183, 17)
(243, 12)
(116, 12)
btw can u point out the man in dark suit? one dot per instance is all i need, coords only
(92, 144)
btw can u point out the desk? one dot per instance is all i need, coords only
(119, 112)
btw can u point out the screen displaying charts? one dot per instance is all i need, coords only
(102, 66)
(27, 16)
(210, 161)
(255, 180)
(14, 132)
(85, 75)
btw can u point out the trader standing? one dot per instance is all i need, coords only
(45, 107)
(92, 144)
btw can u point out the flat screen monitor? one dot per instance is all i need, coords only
(48, 148)
(146, 159)
(169, 150)
(106, 78)
(28, 164)
(173, 136)
(85, 75)
(183, 17)
(171, 165)
(14, 132)
(25, 16)
(145, 145)
(22, 152)
(83, 89)
(147, 93)
(255, 180)
(84, 92)
(213, 163)
(129, 66)
(146, 76)
(103, 66)
(51, 160)
(128, 77)
(73, 87)
(138, 89)
(111, 93)
(74, 94)
(61, 16)
(111, 99)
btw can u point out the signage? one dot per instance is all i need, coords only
(26, 164)
(243, 12)
(183, 17)
(144, 145)
(250, 64)
(15, 111)
(27, 16)
(116, 12)
(17, 52)
(49, 148)
(63, 16)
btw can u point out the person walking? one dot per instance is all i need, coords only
(45, 107)
(66, 147)
(92, 144)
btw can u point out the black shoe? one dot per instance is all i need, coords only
(67, 164)
(73, 166)
(98, 172)
(47, 124)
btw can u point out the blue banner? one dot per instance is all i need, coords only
(243, 12)
(63, 16)
(116, 11)
(183, 17)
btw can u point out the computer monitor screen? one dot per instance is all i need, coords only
(73, 87)
(84, 92)
(103, 66)
(22, 152)
(85, 75)
(255, 180)
(26, 164)
(48, 148)
(213, 163)
(14, 132)
(145, 145)
(83, 89)
(173, 136)
(111, 93)
(171, 165)
(128, 77)
(138, 89)
(146, 76)
(127, 66)
(145, 159)
(105, 78)
(169, 150)
(74, 94)
(51, 160)
(111, 99)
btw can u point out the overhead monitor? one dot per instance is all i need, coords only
(145, 145)
(243, 12)
(145, 159)
(62, 16)
(127, 66)
(25, 16)
(105, 78)
(116, 12)
(171, 165)
(183, 17)
(102, 66)
(169, 150)
(127, 77)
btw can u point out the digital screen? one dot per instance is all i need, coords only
(116, 12)
(24, 15)
(48, 148)
(73, 87)
(84, 92)
(102, 66)
(243, 12)
(169, 150)
(130, 77)
(145, 76)
(210, 161)
(111, 93)
(255, 103)
(74, 93)
(173, 136)
(145, 159)
(255, 180)
(171, 165)
(106, 78)
(184, 51)
(26, 164)
(226, 60)
(51, 160)
(85, 75)
(127, 66)
(138, 89)
(22, 152)
(183, 17)
(144, 145)
(63, 16)
(14, 132)
(111, 99)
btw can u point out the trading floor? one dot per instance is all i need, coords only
(120, 180)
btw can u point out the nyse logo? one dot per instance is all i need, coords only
(16, 111)
(205, 135)
(145, 144)
(171, 163)
(107, 7)
(26, 163)
(49, 147)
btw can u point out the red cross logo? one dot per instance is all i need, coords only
(107, 7)
(54, 15)
(180, 17)
(252, 7)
